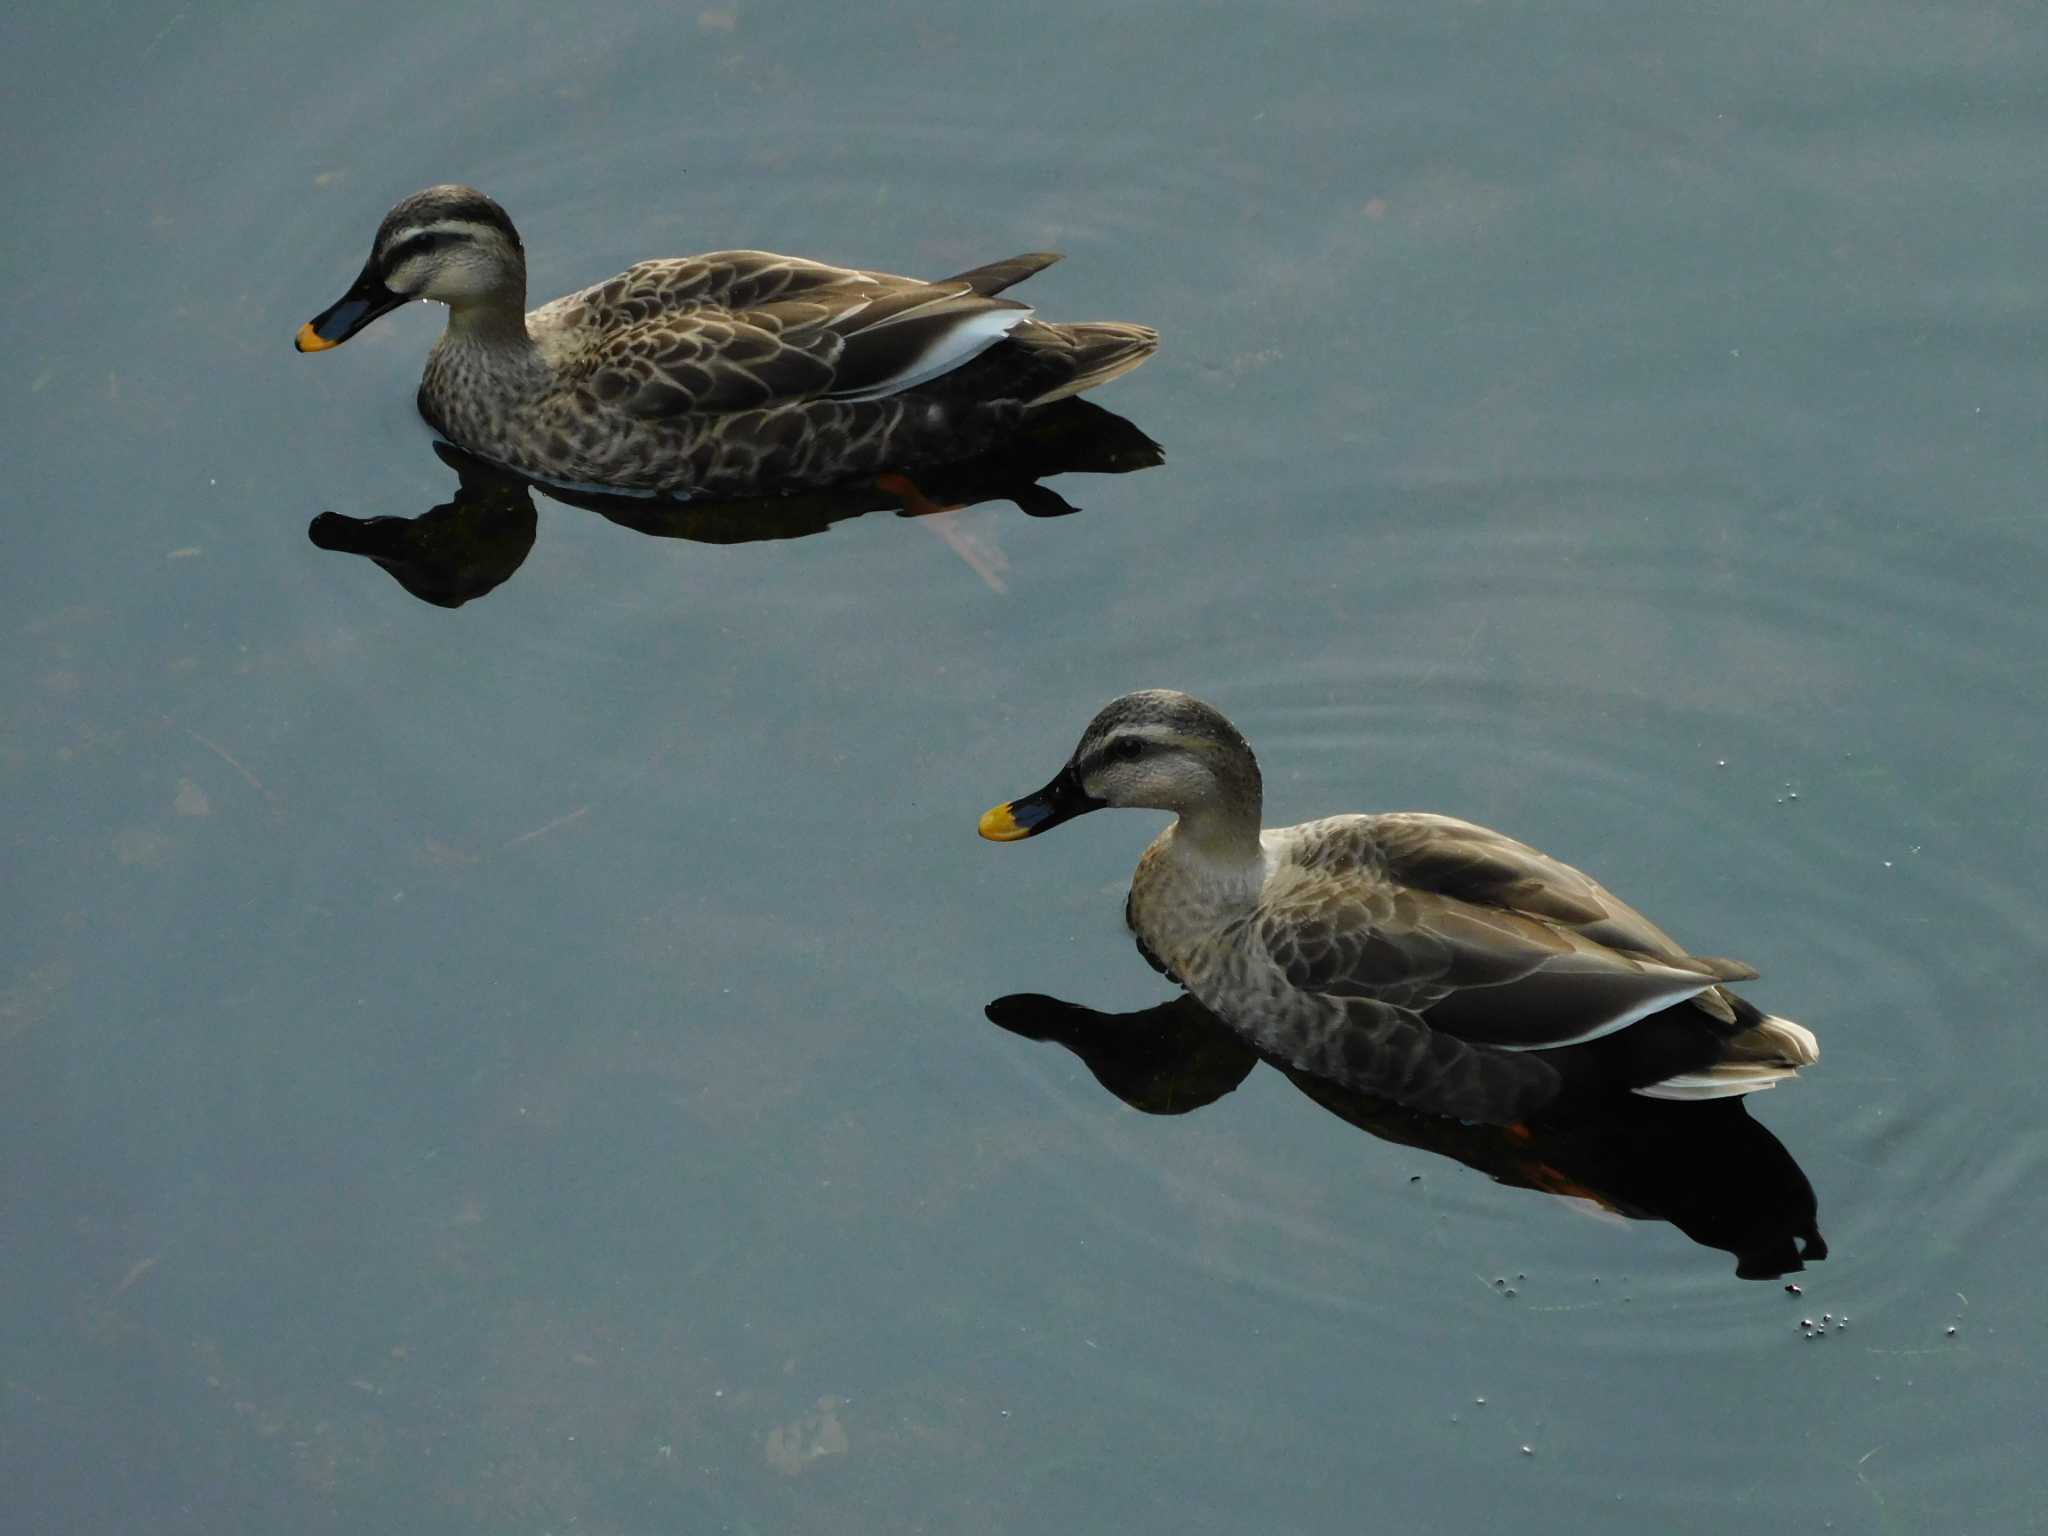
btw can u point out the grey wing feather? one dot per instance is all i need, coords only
(998, 275)
(1486, 939)
(1460, 858)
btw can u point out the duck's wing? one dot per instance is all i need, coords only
(1489, 869)
(741, 280)
(1391, 915)
(727, 336)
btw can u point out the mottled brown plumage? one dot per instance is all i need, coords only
(730, 373)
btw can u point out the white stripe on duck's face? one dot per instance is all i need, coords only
(451, 261)
(1162, 750)
(1155, 767)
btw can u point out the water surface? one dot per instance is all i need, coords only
(525, 1067)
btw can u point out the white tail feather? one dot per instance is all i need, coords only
(1796, 1040)
(1760, 1058)
(1686, 1089)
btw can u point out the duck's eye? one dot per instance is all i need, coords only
(1127, 748)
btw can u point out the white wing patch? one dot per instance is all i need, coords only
(965, 340)
(1682, 985)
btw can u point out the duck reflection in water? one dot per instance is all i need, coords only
(467, 547)
(1706, 1167)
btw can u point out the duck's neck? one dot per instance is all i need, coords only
(485, 364)
(1220, 828)
(495, 323)
(1222, 835)
(482, 373)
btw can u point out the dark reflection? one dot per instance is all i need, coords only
(466, 547)
(1707, 1168)
(454, 552)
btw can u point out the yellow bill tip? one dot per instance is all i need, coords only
(310, 340)
(999, 826)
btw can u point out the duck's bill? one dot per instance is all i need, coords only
(1061, 800)
(365, 301)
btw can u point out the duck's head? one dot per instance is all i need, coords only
(450, 244)
(1157, 749)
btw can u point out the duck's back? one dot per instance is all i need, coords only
(681, 286)
(748, 372)
(1459, 860)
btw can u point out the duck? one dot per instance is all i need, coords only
(1414, 956)
(732, 373)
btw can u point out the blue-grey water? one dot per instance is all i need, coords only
(524, 1067)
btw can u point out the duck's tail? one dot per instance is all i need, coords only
(1085, 355)
(1763, 1055)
